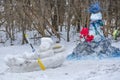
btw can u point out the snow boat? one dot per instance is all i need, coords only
(51, 55)
(24, 65)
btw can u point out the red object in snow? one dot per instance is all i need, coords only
(84, 32)
(89, 38)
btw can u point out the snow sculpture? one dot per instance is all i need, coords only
(96, 16)
(99, 46)
(45, 44)
(49, 53)
(96, 26)
(102, 49)
(96, 22)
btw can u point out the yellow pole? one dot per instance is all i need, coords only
(41, 64)
(38, 60)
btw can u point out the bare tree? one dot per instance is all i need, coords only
(48, 16)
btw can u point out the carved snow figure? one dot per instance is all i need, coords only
(102, 49)
(96, 22)
(96, 26)
(94, 43)
(49, 53)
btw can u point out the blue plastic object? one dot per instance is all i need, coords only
(94, 8)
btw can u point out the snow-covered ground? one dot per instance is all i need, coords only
(91, 69)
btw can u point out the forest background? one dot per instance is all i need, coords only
(51, 17)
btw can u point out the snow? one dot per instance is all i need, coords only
(96, 16)
(50, 55)
(90, 69)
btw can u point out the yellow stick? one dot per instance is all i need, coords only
(41, 64)
(38, 60)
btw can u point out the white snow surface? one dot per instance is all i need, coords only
(90, 69)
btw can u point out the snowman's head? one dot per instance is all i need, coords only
(46, 44)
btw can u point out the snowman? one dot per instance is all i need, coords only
(96, 22)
